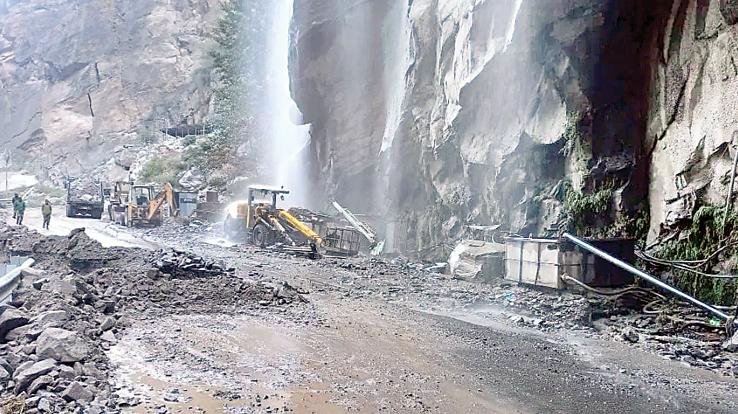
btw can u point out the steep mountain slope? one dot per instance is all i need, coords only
(80, 79)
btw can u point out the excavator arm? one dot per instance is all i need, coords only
(302, 228)
(166, 195)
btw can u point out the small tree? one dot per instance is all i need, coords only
(239, 35)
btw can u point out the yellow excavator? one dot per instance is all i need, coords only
(258, 218)
(139, 205)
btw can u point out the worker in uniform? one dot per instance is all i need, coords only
(20, 209)
(16, 199)
(46, 212)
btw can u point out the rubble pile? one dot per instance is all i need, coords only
(84, 190)
(54, 333)
(182, 265)
(678, 333)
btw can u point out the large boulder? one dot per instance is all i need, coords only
(61, 345)
(25, 376)
(11, 318)
(477, 261)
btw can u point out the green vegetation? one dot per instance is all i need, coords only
(585, 213)
(703, 238)
(571, 130)
(162, 170)
(237, 61)
(634, 224)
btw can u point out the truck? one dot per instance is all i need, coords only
(84, 197)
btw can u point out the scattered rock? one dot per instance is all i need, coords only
(174, 396)
(4, 375)
(41, 382)
(44, 405)
(731, 345)
(17, 334)
(66, 372)
(39, 283)
(62, 287)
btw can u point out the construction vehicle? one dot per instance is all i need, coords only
(84, 197)
(140, 205)
(259, 219)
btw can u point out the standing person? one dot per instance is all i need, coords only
(46, 212)
(16, 199)
(21, 209)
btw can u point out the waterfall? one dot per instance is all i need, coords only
(285, 137)
(398, 57)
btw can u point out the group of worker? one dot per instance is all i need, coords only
(19, 209)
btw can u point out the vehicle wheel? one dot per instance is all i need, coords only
(70, 211)
(97, 214)
(260, 235)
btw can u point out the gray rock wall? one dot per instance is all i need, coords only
(79, 79)
(693, 116)
(446, 114)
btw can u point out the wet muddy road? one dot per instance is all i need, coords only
(371, 340)
(343, 354)
(108, 234)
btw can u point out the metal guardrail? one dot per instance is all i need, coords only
(645, 276)
(11, 279)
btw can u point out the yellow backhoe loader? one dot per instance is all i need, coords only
(139, 205)
(259, 219)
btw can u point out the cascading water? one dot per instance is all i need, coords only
(398, 57)
(284, 136)
(396, 44)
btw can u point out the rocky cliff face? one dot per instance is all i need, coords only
(81, 79)
(436, 114)
(693, 117)
(455, 113)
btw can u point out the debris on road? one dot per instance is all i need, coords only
(55, 332)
